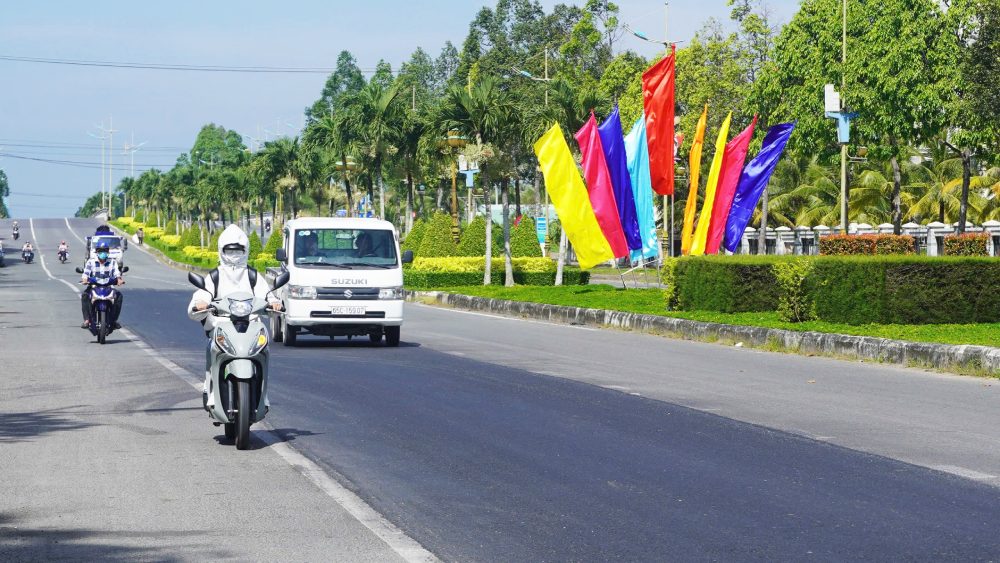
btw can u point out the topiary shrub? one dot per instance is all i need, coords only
(274, 242)
(437, 239)
(213, 241)
(969, 244)
(415, 236)
(524, 239)
(170, 228)
(192, 236)
(473, 239)
(256, 247)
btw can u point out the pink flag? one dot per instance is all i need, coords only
(602, 196)
(732, 165)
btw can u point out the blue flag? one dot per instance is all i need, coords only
(637, 153)
(614, 155)
(753, 182)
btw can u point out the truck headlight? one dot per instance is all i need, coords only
(390, 293)
(302, 292)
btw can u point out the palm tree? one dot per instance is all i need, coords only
(374, 116)
(815, 201)
(481, 112)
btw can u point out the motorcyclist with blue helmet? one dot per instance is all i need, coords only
(101, 267)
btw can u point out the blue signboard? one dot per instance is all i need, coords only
(541, 228)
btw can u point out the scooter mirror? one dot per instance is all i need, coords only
(79, 270)
(196, 280)
(281, 280)
(124, 269)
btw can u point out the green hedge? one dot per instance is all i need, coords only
(414, 237)
(970, 244)
(726, 284)
(859, 245)
(420, 279)
(841, 289)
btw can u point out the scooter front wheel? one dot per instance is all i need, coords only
(102, 326)
(243, 415)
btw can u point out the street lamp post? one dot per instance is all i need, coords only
(538, 170)
(455, 142)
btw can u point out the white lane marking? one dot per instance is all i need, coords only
(72, 232)
(41, 259)
(134, 277)
(966, 473)
(501, 317)
(407, 548)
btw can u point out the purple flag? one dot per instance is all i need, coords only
(613, 143)
(753, 182)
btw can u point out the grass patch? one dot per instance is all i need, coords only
(651, 302)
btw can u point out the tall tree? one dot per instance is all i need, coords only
(346, 79)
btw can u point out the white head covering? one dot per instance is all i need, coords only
(233, 266)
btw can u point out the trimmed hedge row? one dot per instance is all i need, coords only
(970, 244)
(842, 289)
(860, 245)
(422, 279)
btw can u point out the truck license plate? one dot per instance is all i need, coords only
(347, 310)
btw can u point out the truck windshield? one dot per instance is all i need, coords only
(112, 242)
(348, 248)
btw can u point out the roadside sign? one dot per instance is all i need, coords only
(541, 229)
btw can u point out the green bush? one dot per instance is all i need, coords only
(415, 236)
(860, 245)
(170, 228)
(191, 237)
(794, 302)
(213, 241)
(422, 279)
(273, 243)
(726, 284)
(437, 239)
(468, 264)
(256, 247)
(970, 244)
(524, 240)
(473, 239)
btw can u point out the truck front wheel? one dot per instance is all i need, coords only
(392, 336)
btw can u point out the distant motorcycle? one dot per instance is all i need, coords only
(27, 256)
(17, 233)
(63, 256)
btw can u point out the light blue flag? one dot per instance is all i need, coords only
(637, 153)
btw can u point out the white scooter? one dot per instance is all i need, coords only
(239, 363)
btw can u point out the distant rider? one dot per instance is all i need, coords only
(101, 267)
(63, 249)
(17, 230)
(27, 247)
(233, 275)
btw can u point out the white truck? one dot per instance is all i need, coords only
(346, 279)
(117, 245)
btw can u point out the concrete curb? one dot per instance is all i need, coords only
(965, 358)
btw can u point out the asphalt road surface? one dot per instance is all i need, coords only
(493, 439)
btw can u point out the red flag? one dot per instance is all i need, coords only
(732, 165)
(658, 101)
(602, 195)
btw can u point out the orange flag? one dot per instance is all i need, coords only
(694, 160)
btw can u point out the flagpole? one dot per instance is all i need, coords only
(670, 233)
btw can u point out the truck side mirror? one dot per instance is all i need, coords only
(281, 255)
(407, 256)
(196, 280)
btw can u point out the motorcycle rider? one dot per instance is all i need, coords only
(101, 267)
(17, 229)
(233, 274)
(27, 248)
(63, 250)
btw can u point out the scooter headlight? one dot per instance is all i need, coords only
(260, 343)
(223, 343)
(241, 308)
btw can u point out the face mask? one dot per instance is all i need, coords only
(102, 255)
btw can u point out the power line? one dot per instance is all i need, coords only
(80, 163)
(171, 66)
(29, 194)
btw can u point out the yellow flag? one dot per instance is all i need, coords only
(701, 234)
(694, 160)
(569, 196)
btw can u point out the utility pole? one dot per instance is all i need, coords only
(111, 148)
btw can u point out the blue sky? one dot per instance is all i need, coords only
(55, 104)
